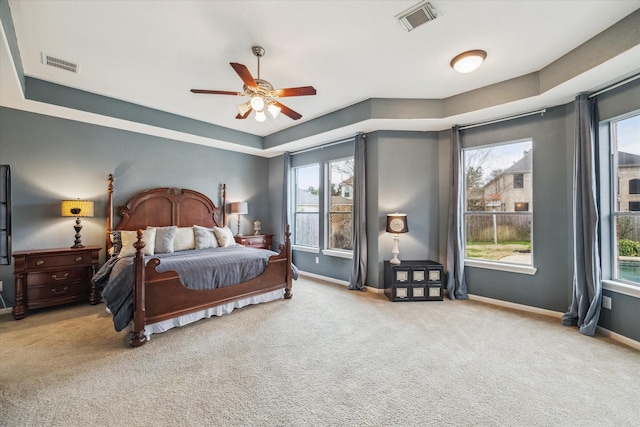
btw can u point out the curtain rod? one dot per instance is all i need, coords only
(320, 147)
(544, 110)
(615, 85)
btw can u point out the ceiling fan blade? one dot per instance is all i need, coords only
(288, 111)
(217, 92)
(296, 91)
(245, 115)
(244, 74)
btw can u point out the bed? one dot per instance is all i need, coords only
(162, 291)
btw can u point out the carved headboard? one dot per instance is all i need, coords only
(165, 206)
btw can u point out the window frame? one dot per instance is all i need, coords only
(610, 209)
(295, 207)
(339, 252)
(529, 269)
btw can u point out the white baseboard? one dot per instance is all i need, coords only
(5, 310)
(619, 338)
(515, 306)
(337, 281)
(556, 314)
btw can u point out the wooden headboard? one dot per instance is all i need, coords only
(164, 206)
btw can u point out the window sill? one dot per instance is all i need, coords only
(306, 249)
(501, 266)
(621, 288)
(338, 254)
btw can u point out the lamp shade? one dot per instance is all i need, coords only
(77, 208)
(397, 223)
(239, 208)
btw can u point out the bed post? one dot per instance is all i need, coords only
(109, 244)
(137, 332)
(287, 247)
(224, 205)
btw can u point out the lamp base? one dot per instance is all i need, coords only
(78, 242)
(394, 251)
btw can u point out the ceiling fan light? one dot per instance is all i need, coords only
(468, 61)
(257, 102)
(244, 108)
(260, 116)
(274, 110)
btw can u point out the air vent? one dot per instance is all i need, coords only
(417, 15)
(59, 63)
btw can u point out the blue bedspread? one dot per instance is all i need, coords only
(198, 269)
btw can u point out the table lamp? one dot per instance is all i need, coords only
(239, 208)
(78, 208)
(396, 223)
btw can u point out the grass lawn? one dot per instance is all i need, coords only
(488, 250)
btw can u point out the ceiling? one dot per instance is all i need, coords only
(152, 53)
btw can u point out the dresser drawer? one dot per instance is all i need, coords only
(53, 261)
(41, 296)
(61, 276)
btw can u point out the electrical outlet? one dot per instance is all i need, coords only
(606, 302)
(317, 260)
(1, 287)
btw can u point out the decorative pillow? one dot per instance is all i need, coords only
(205, 237)
(130, 237)
(164, 239)
(224, 236)
(184, 239)
(116, 241)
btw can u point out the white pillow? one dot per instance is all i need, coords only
(130, 237)
(224, 236)
(184, 239)
(205, 237)
(164, 239)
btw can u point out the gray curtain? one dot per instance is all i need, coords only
(286, 160)
(456, 284)
(584, 311)
(359, 269)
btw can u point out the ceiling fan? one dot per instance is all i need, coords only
(263, 97)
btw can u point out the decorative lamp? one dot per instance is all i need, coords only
(396, 223)
(468, 61)
(239, 208)
(78, 208)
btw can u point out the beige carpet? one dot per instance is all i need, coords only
(328, 357)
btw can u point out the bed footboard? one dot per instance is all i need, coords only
(151, 288)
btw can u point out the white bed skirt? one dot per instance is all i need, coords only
(165, 325)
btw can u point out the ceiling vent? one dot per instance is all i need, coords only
(59, 63)
(417, 15)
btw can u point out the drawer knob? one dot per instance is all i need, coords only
(78, 259)
(39, 262)
(59, 292)
(55, 277)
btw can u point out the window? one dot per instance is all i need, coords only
(306, 202)
(499, 200)
(518, 180)
(521, 206)
(340, 204)
(625, 203)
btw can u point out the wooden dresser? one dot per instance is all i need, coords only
(49, 277)
(259, 241)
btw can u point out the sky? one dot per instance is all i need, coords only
(628, 132)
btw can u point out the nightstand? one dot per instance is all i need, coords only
(50, 277)
(258, 241)
(414, 281)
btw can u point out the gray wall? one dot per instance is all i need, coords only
(53, 159)
(548, 288)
